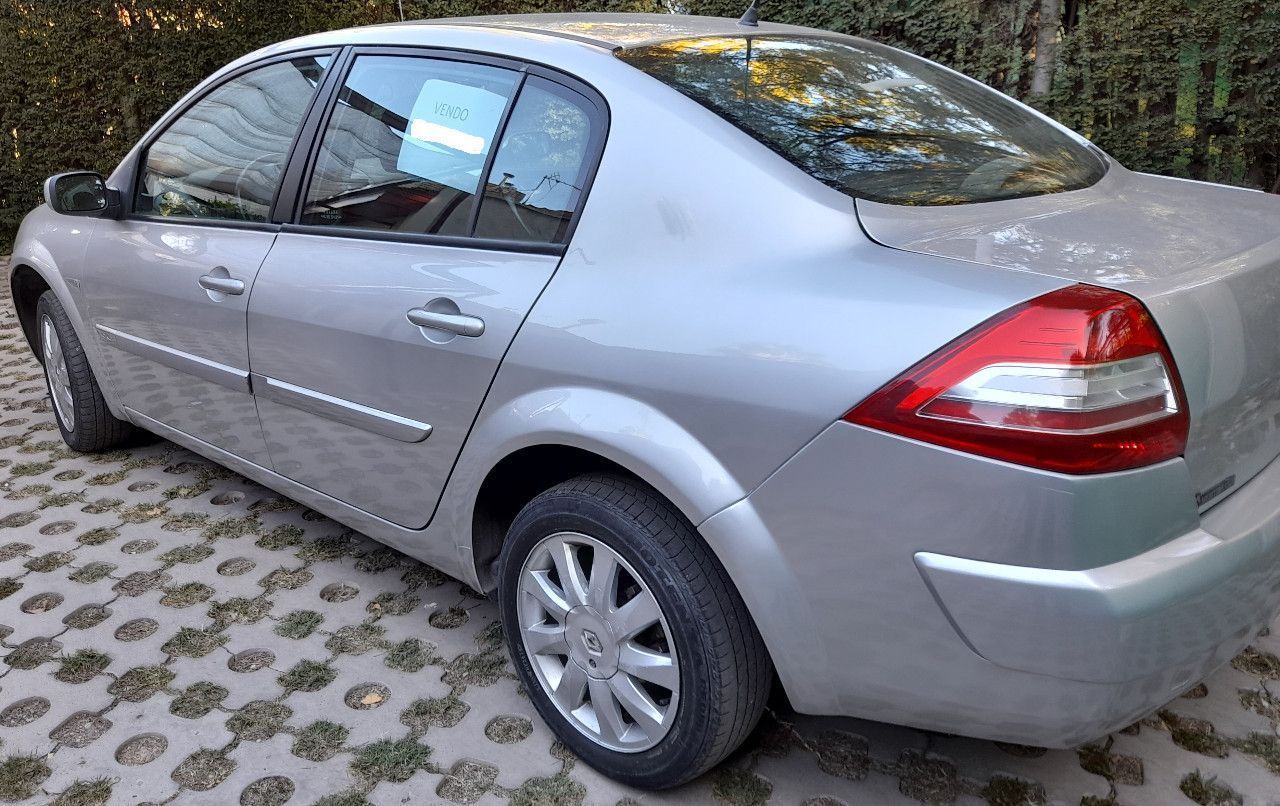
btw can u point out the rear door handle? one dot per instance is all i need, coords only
(457, 323)
(222, 285)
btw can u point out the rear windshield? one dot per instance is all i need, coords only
(874, 122)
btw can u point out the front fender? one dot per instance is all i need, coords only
(54, 246)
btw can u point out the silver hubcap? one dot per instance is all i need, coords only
(55, 369)
(598, 642)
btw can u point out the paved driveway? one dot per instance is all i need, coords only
(174, 632)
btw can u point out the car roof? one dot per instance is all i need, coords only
(611, 31)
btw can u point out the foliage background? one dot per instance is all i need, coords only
(1181, 87)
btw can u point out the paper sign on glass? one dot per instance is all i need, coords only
(449, 122)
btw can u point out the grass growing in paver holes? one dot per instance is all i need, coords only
(21, 776)
(85, 793)
(192, 643)
(410, 655)
(140, 682)
(198, 699)
(390, 760)
(320, 741)
(441, 712)
(1264, 746)
(259, 721)
(308, 676)
(298, 624)
(1208, 792)
(82, 666)
(186, 595)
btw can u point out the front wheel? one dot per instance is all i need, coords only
(83, 417)
(628, 634)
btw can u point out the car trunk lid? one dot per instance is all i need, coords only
(1204, 259)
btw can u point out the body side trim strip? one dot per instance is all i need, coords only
(202, 368)
(375, 421)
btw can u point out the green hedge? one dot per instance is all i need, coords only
(1184, 87)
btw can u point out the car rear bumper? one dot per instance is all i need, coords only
(896, 581)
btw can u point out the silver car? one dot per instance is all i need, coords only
(720, 353)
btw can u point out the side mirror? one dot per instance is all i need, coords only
(82, 193)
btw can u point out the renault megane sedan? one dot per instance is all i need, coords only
(719, 353)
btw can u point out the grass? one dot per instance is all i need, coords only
(82, 666)
(259, 720)
(393, 604)
(51, 561)
(85, 793)
(98, 536)
(231, 528)
(410, 655)
(8, 587)
(197, 700)
(281, 537)
(92, 572)
(192, 643)
(286, 579)
(320, 741)
(1257, 663)
(186, 595)
(142, 513)
(140, 682)
(273, 790)
(390, 760)
(240, 610)
(189, 554)
(1208, 791)
(308, 676)
(203, 770)
(356, 639)
(561, 790)
(1264, 746)
(440, 712)
(476, 670)
(1195, 735)
(21, 776)
(298, 624)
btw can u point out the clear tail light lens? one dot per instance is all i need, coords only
(1079, 380)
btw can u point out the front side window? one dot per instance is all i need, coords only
(406, 145)
(874, 122)
(223, 157)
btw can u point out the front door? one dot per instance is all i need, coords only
(378, 320)
(168, 287)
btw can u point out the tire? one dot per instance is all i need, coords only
(86, 423)
(718, 657)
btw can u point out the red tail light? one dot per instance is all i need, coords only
(1077, 381)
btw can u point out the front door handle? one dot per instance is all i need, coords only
(222, 285)
(456, 323)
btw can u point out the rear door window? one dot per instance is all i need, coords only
(541, 167)
(407, 144)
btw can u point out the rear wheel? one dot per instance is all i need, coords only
(82, 415)
(627, 633)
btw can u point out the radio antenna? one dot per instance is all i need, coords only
(751, 19)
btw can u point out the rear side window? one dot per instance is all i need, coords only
(874, 122)
(541, 167)
(405, 148)
(223, 157)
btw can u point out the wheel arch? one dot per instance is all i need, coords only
(549, 436)
(26, 285)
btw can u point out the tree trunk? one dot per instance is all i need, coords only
(1046, 47)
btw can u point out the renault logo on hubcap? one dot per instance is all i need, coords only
(592, 642)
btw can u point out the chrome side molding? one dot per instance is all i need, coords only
(382, 423)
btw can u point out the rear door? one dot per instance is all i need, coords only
(436, 206)
(167, 287)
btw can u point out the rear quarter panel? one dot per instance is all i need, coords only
(717, 306)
